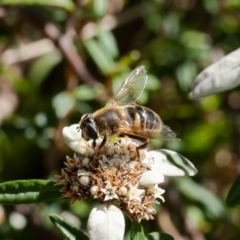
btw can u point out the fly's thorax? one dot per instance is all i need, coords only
(107, 119)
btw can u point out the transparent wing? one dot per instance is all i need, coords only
(166, 133)
(131, 88)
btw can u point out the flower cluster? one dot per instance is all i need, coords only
(119, 178)
(114, 174)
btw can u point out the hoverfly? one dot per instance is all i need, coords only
(123, 117)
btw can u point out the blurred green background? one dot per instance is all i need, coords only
(61, 59)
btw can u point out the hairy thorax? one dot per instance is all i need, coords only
(108, 119)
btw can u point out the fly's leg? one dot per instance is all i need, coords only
(103, 142)
(142, 146)
(94, 143)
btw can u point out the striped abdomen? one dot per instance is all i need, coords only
(143, 118)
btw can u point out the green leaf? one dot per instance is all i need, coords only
(185, 73)
(100, 56)
(137, 232)
(66, 4)
(62, 103)
(86, 93)
(233, 197)
(28, 191)
(68, 230)
(221, 76)
(100, 7)
(197, 45)
(43, 65)
(212, 7)
(158, 236)
(108, 42)
(213, 206)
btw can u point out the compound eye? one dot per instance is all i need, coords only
(92, 131)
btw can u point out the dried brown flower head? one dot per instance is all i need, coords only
(115, 175)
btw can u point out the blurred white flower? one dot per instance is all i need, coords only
(220, 76)
(17, 220)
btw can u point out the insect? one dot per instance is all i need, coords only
(123, 117)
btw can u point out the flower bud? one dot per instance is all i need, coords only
(84, 180)
(82, 172)
(106, 222)
(123, 191)
(116, 162)
(104, 159)
(110, 150)
(89, 152)
(85, 161)
(94, 190)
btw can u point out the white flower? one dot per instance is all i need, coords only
(135, 193)
(220, 76)
(157, 191)
(110, 192)
(106, 222)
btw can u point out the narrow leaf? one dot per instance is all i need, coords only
(137, 231)
(233, 197)
(62, 103)
(212, 204)
(158, 236)
(108, 42)
(28, 191)
(100, 7)
(42, 66)
(66, 4)
(101, 57)
(69, 231)
(220, 76)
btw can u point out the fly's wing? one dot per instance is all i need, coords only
(165, 134)
(131, 88)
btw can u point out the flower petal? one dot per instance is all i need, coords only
(220, 76)
(157, 191)
(106, 222)
(73, 139)
(135, 193)
(170, 163)
(150, 178)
